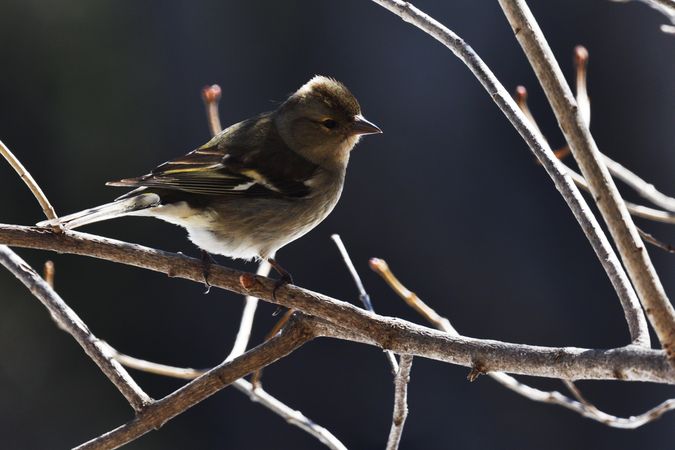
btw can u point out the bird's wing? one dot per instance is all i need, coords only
(248, 158)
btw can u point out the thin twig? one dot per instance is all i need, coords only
(636, 322)
(631, 305)
(665, 7)
(363, 295)
(652, 240)
(520, 96)
(256, 376)
(644, 212)
(581, 66)
(258, 395)
(556, 398)
(247, 316)
(400, 402)
(69, 321)
(641, 211)
(521, 100)
(576, 393)
(48, 273)
(639, 267)
(30, 182)
(211, 97)
(297, 333)
(292, 416)
(648, 213)
(580, 406)
(380, 267)
(646, 190)
(403, 337)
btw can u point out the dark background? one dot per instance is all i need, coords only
(450, 196)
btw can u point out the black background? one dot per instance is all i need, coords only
(449, 195)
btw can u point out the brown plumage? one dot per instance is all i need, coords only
(257, 185)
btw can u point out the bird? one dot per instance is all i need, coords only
(255, 186)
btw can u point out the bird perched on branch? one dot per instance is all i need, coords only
(257, 185)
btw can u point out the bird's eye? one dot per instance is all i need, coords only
(329, 123)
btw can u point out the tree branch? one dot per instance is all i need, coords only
(295, 334)
(363, 295)
(247, 316)
(642, 188)
(642, 211)
(665, 7)
(636, 322)
(646, 190)
(29, 181)
(70, 322)
(400, 402)
(211, 97)
(258, 395)
(584, 408)
(612, 207)
(626, 363)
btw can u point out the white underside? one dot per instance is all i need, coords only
(198, 225)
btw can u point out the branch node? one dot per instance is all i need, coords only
(477, 370)
(211, 94)
(580, 56)
(246, 280)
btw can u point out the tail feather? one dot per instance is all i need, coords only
(111, 210)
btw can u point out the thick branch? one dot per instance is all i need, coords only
(626, 363)
(590, 226)
(612, 207)
(582, 407)
(69, 321)
(296, 333)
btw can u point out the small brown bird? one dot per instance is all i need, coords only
(257, 185)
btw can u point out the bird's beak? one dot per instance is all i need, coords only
(362, 126)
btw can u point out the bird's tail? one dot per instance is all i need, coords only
(118, 208)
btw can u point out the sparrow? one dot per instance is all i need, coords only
(257, 185)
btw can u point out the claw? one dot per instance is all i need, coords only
(207, 260)
(282, 281)
(285, 278)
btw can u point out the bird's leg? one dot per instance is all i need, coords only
(257, 375)
(207, 260)
(285, 278)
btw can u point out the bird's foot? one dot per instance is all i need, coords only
(283, 280)
(207, 261)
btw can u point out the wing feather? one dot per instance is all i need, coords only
(246, 159)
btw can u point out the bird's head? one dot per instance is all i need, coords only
(322, 121)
